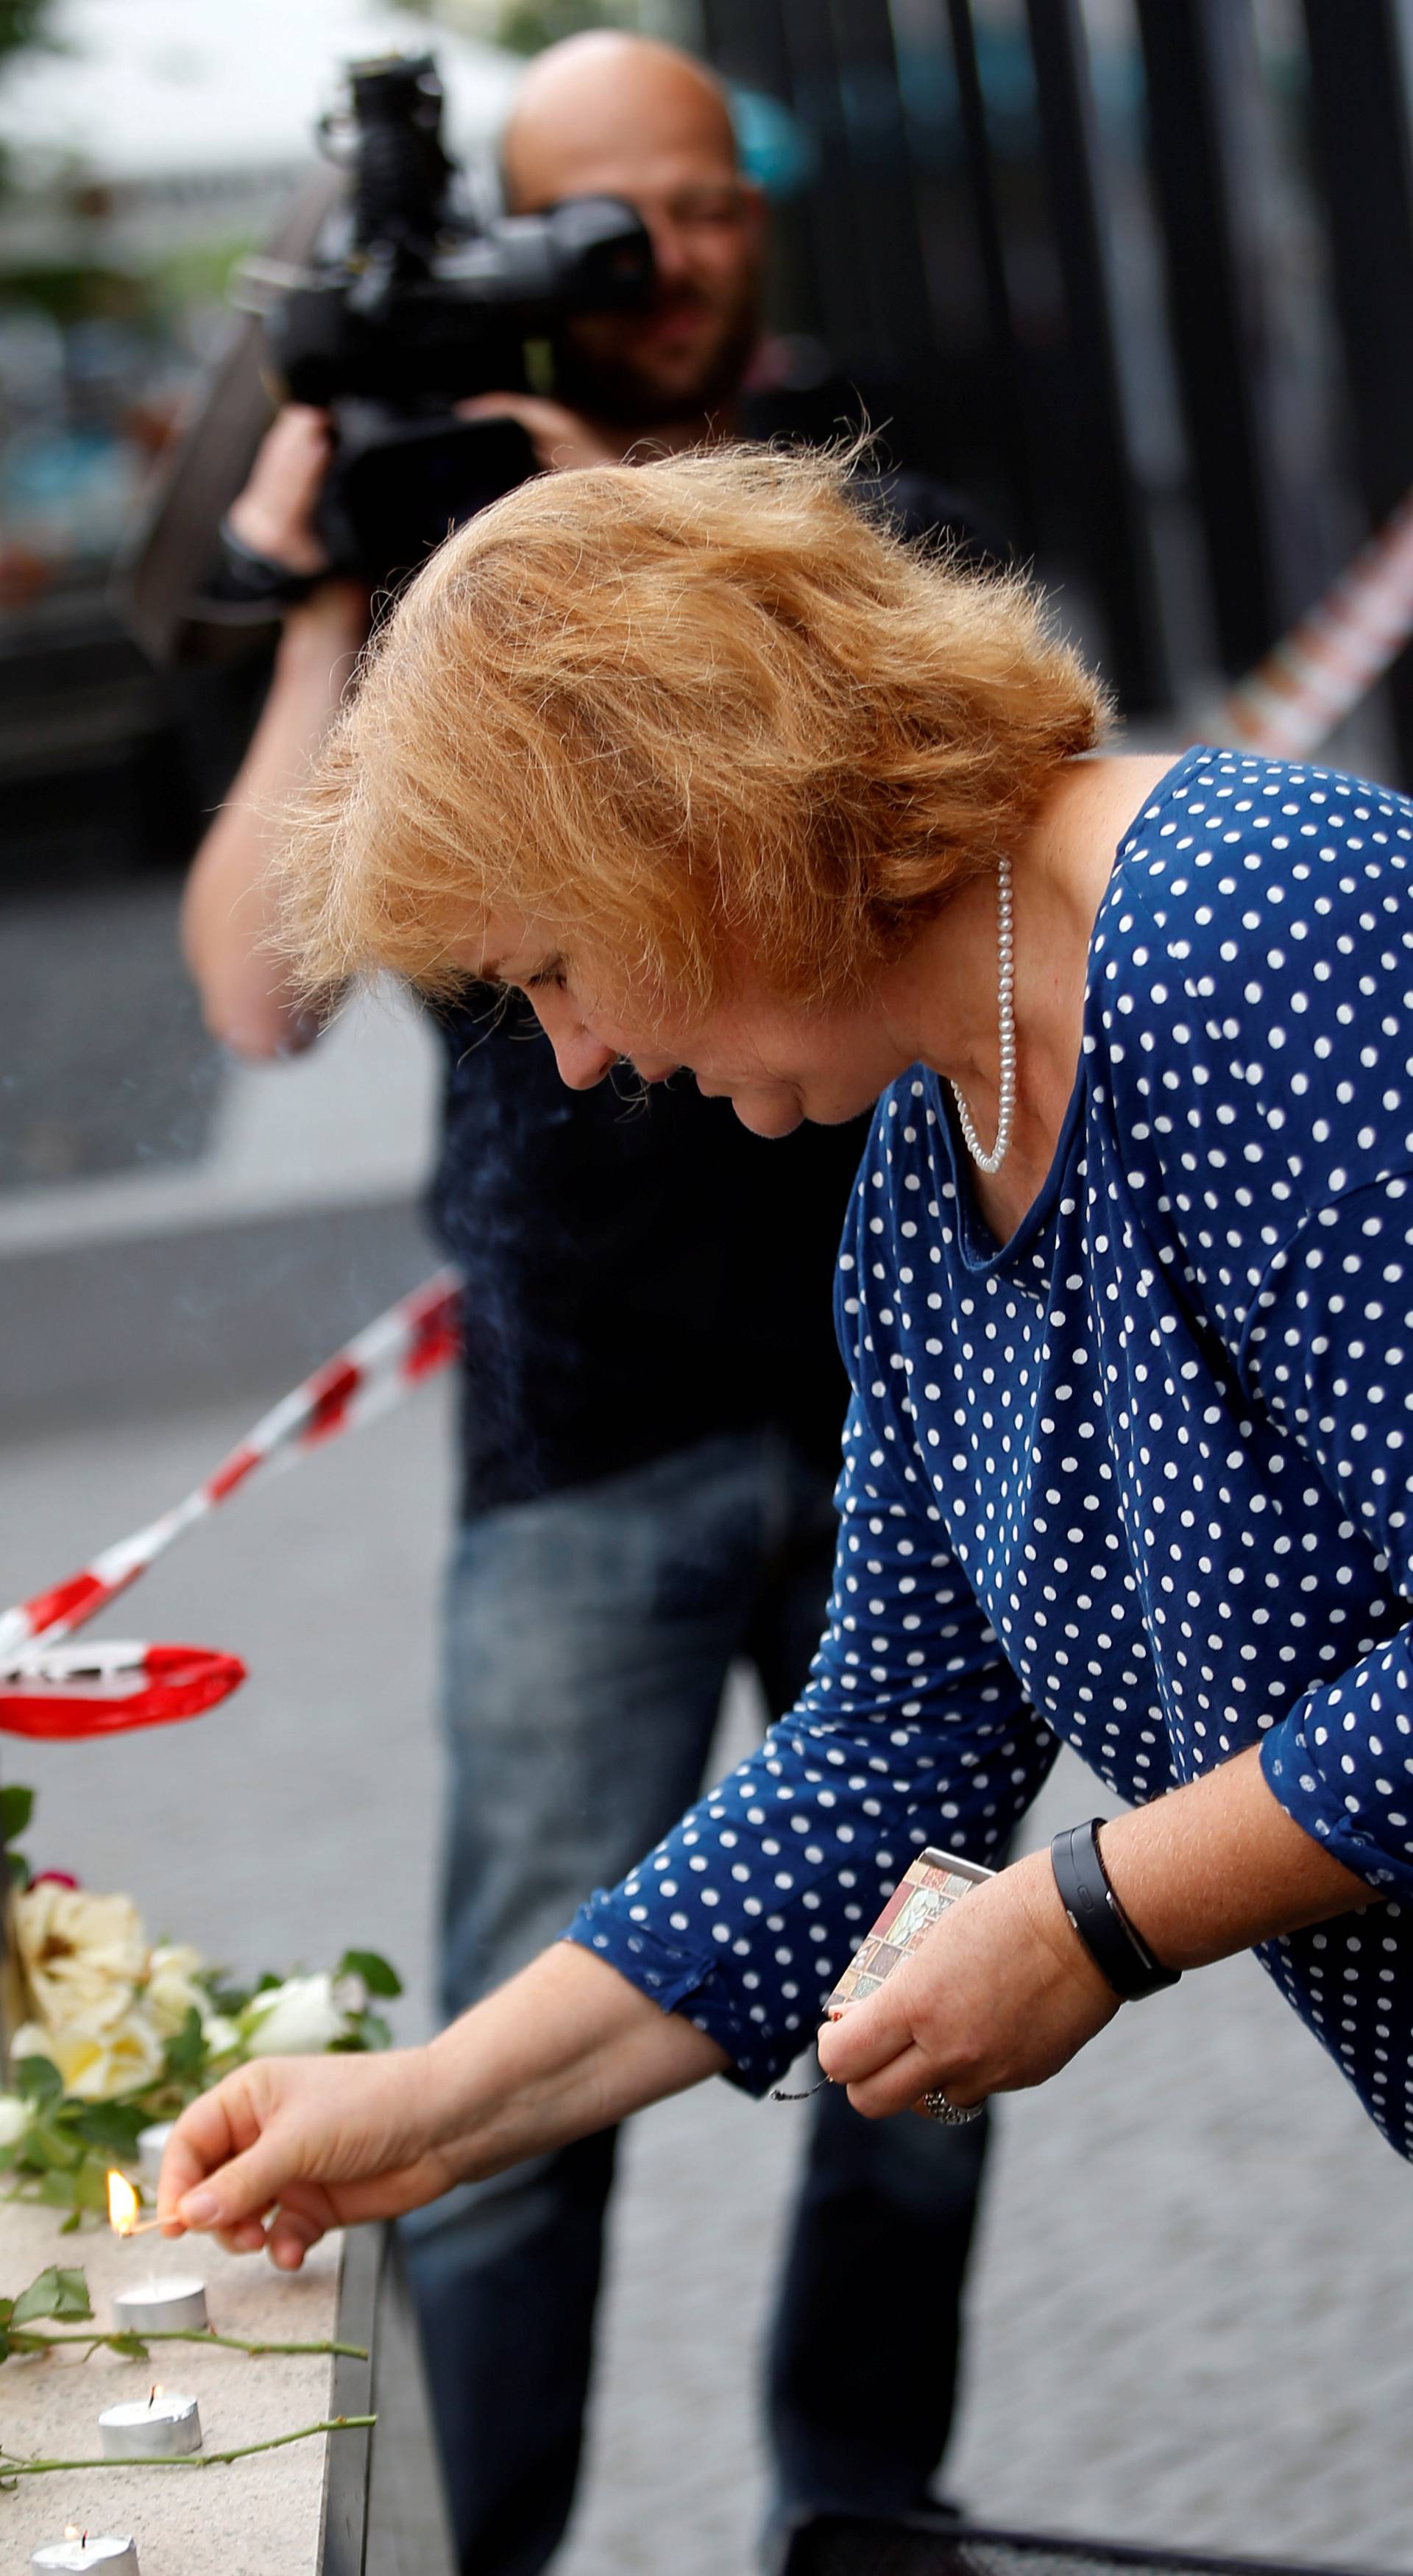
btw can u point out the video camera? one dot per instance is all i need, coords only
(410, 304)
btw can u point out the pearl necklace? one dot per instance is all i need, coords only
(1006, 979)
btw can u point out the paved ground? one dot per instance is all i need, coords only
(1189, 2315)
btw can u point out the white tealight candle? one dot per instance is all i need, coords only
(176, 2306)
(151, 2147)
(158, 2427)
(86, 2550)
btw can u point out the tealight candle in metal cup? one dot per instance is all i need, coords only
(160, 2427)
(175, 2306)
(86, 2553)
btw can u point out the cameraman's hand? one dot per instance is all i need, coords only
(274, 515)
(560, 439)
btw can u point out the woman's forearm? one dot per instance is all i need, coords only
(1001, 1994)
(568, 2046)
(1218, 1866)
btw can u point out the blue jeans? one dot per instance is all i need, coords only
(588, 1640)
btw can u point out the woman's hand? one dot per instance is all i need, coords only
(566, 2047)
(323, 2141)
(1003, 1991)
(1001, 1994)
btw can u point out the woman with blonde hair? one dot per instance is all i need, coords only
(725, 777)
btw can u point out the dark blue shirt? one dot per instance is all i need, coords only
(1141, 1479)
(640, 1272)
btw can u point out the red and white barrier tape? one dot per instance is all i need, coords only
(50, 1690)
(1317, 674)
(59, 1693)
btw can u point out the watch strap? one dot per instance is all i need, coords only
(1117, 1948)
(246, 578)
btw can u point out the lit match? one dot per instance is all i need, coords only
(123, 2208)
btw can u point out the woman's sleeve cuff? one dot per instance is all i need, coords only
(681, 1979)
(1368, 1828)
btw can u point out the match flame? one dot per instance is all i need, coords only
(123, 2205)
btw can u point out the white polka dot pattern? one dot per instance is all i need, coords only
(1138, 1479)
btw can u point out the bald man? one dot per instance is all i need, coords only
(649, 1442)
(593, 115)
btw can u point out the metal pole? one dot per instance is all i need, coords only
(1115, 529)
(1360, 115)
(745, 39)
(1007, 408)
(1203, 104)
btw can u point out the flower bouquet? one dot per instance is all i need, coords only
(115, 2033)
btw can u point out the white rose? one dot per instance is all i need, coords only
(14, 2118)
(172, 1991)
(81, 1955)
(94, 2065)
(297, 2019)
(221, 2035)
(30, 2041)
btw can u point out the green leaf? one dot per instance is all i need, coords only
(73, 2291)
(186, 2050)
(378, 1977)
(55, 2293)
(225, 1998)
(57, 2190)
(91, 2184)
(365, 2030)
(51, 2146)
(38, 2079)
(114, 2126)
(130, 2346)
(16, 1808)
(4, 2345)
(70, 2226)
(17, 1869)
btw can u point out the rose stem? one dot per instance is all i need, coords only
(190, 2334)
(197, 2460)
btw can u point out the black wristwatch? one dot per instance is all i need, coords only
(1118, 1951)
(244, 578)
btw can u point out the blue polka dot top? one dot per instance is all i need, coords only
(1138, 1480)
